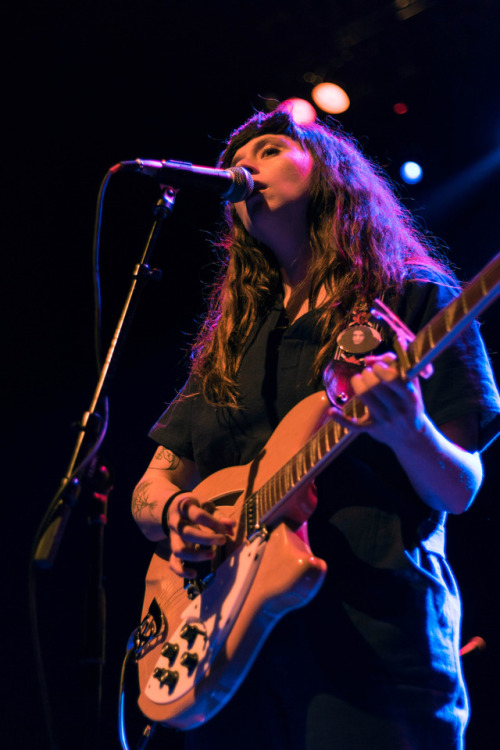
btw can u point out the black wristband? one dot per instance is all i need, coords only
(165, 510)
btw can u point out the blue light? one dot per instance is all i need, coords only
(411, 172)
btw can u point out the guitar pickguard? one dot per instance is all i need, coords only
(204, 626)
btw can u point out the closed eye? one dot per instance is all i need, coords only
(270, 150)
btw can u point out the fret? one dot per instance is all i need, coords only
(308, 457)
(302, 463)
(262, 501)
(275, 493)
(317, 447)
(270, 497)
(330, 435)
(286, 479)
(323, 441)
(283, 479)
(283, 482)
(313, 444)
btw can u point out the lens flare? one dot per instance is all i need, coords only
(411, 172)
(301, 110)
(330, 98)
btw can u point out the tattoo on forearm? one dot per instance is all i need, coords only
(140, 500)
(167, 457)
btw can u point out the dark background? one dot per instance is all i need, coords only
(87, 84)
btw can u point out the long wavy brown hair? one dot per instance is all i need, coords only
(363, 242)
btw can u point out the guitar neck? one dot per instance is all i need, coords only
(330, 439)
(449, 322)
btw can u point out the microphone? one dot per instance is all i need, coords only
(234, 184)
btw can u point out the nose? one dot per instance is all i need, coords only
(249, 164)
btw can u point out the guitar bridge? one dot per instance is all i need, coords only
(258, 530)
(195, 586)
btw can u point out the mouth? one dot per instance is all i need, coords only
(257, 190)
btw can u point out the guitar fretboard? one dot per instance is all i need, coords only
(452, 319)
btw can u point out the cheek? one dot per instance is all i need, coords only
(299, 174)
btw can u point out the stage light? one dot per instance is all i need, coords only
(411, 172)
(330, 98)
(301, 111)
(400, 108)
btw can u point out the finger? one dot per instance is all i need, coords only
(388, 357)
(364, 381)
(195, 553)
(395, 385)
(392, 400)
(384, 371)
(351, 423)
(199, 535)
(181, 515)
(384, 400)
(191, 511)
(380, 378)
(181, 569)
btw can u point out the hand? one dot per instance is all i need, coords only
(195, 530)
(396, 408)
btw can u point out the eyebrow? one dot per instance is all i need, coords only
(256, 145)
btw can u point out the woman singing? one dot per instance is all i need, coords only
(371, 663)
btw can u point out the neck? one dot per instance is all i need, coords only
(294, 263)
(295, 285)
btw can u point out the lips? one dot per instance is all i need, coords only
(257, 188)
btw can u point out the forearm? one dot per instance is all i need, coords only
(165, 476)
(148, 501)
(444, 475)
(194, 528)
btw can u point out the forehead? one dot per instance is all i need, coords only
(252, 146)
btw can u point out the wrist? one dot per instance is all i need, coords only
(166, 508)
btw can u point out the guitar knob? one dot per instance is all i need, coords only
(166, 676)
(170, 651)
(190, 661)
(190, 632)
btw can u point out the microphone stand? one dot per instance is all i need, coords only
(85, 473)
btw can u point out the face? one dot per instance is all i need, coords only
(358, 336)
(282, 173)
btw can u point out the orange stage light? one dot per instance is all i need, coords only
(301, 110)
(330, 98)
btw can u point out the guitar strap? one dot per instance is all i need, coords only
(361, 336)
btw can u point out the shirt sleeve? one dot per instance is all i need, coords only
(173, 430)
(462, 382)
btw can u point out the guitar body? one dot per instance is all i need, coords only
(187, 675)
